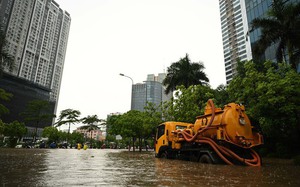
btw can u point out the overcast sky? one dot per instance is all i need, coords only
(136, 38)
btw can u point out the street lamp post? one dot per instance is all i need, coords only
(121, 74)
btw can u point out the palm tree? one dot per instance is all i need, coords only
(184, 73)
(91, 122)
(68, 116)
(5, 58)
(281, 26)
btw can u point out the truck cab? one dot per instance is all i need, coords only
(165, 136)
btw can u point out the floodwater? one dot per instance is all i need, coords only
(106, 167)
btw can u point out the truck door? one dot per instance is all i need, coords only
(160, 139)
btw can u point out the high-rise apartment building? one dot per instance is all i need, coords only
(150, 91)
(238, 38)
(234, 27)
(37, 34)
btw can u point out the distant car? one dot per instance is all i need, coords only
(19, 146)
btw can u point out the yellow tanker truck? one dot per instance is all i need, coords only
(218, 136)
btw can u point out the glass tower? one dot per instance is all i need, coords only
(258, 9)
(151, 91)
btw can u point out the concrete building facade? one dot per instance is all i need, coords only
(93, 134)
(37, 34)
(234, 28)
(238, 37)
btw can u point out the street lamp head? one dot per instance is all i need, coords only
(127, 77)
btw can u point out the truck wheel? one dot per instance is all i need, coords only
(205, 159)
(164, 155)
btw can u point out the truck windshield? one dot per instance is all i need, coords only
(160, 131)
(180, 127)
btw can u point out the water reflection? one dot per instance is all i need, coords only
(71, 167)
(21, 166)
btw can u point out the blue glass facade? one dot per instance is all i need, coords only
(257, 9)
(150, 91)
(238, 43)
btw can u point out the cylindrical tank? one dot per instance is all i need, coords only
(230, 124)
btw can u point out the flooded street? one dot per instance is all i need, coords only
(106, 167)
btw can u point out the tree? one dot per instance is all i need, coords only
(2, 125)
(15, 131)
(134, 125)
(184, 73)
(153, 117)
(51, 133)
(6, 60)
(68, 116)
(272, 102)
(91, 122)
(188, 103)
(282, 26)
(37, 112)
(5, 96)
(221, 95)
(129, 125)
(76, 137)
(111, 125)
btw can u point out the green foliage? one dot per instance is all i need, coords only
(110, 138)
(281, 25)
(90, 120)
(14, 130)
(186, 73)
(130, 124)
(76, 137)
(112, 127)
(52, 134)
(68, 116)
(63, 136)
(272, 100)
(4, 96)
(154, 117)
(221, 96)
(2, 126)
(188, 103)
(37, 112)
(134, 124)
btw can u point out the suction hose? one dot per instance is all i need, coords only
(190, 138)
(225, 153)
(221, 151)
